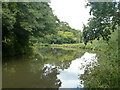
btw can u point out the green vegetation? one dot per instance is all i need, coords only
(104, 21)
(40, 75)
(27, 26)
(93, 46)
(20, 25)
(65, 34)
(105, 75)
(103, 27)
(36, 23)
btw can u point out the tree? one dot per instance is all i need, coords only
(103, 22)
(36, 19)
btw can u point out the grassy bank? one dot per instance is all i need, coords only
(105, 75)
(93, 46)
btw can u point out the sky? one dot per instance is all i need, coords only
(72, 12)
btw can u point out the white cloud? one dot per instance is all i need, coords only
(71, 11)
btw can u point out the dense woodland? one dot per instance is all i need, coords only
(25, 24)
(36, 23)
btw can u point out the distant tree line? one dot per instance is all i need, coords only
(25, 23)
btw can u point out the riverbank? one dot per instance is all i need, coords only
(93, 46)
(105, 75)
(108, 64)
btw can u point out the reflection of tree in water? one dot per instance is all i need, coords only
(59, 57)
(49, 77)
(22, 77)
(56, 57)
(30, 71)
(63, 64)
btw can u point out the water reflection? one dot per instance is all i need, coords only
(47, 68)
(88, 60)
(70, 77)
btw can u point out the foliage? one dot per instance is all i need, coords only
(35, 23)
(106, 74)
(64, 34)
(19, 25)
(103, 76)
(103, 22)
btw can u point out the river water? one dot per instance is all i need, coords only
(47, 68)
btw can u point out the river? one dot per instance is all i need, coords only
(47, 68)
